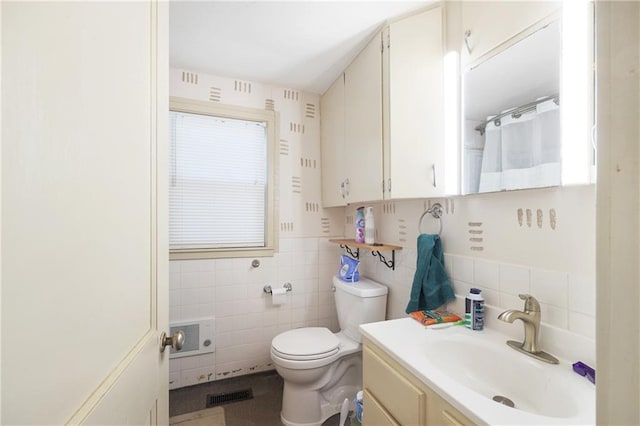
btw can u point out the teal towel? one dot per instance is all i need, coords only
(431, 286)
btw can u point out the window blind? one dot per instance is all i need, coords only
(217, 182)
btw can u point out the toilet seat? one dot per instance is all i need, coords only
(306, 344)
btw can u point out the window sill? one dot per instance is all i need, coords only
(195, 254)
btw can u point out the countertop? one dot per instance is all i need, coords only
(409, 343)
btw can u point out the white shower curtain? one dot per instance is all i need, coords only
(523, 152)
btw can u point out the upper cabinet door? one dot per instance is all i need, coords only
(486, 25)
(414, 145)
(334, 171)
(363, 124)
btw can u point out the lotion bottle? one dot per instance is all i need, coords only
(369, 226)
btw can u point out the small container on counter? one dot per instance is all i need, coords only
(474, 310)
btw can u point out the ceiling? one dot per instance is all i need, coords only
(301, 45)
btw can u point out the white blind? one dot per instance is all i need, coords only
(217, 182)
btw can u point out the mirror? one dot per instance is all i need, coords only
(512, 124)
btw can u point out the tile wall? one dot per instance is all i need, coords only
(506, 256)
(230, 290)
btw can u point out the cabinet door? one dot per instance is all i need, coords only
(375, 414)
(332, 145)
(416, 111)
(490, 24)
(363, 124)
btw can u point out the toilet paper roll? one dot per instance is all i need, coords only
(279, 296)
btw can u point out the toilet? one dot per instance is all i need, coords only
(320, 368)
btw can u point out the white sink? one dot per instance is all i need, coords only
(497, 370)
(469, 368)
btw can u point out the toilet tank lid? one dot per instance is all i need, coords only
(363, 288)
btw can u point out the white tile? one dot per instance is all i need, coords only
(174, 298)
(224, 264)
(553, 315)
(190, 296)
(174, 280)
(550, 287)
(175, 314)
(223, 277)
(311, 244)
(270, 318)
(509, 301)
(224, 325)
(225, 340)
(224, 293)
(189, 312)
(174, 266)
(206, 310)
(490, 296)
(463, 269)
(174, 380)
(197, 361)
(582, 294)
(582, 324)
(514, 280)
(485, 274)
(191, 279)
(197, 375)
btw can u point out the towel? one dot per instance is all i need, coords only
(431, 286)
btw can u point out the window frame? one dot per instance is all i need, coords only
(177, 104)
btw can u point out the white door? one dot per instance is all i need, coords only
(84, 252)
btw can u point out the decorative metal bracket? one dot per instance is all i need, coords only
(355, 255)
(389, 263)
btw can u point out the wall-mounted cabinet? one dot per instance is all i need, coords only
(332, 145)
(389, 107)
(487, 25)
(413, 106)
(351, 132)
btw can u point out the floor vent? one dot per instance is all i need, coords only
(225, 398)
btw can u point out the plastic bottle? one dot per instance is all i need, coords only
(369, 226)
(360, 225)
(474, 310)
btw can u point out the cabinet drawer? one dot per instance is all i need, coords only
(404, 401)
(374, 414)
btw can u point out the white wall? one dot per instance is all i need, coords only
(230, 289)
(557, 266)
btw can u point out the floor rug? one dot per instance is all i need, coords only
(209, 417)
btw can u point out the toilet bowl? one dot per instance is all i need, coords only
(320, 368)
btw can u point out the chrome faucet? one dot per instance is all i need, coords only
(531, 320)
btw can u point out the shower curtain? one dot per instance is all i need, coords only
(523, 152)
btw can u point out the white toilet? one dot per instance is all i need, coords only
(320, 369)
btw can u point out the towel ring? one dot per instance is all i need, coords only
(435, 211)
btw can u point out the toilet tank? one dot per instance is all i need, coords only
(358, 303)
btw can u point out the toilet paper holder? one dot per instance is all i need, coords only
(267, 288)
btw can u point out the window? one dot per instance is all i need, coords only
(221, 180)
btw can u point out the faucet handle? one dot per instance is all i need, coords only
(530, 303)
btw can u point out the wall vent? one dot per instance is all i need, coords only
(189, 77)
(291, 94)
(284, 147)
(198, 337)
(325, 223)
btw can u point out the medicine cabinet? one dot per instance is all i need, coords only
(527, 103)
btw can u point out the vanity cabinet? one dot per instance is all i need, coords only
(351, 131)
(394, 396)
(486, 25)
(413, 77)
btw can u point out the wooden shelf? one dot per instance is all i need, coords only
(375, 250)
(352, 243)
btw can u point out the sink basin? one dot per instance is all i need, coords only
(470, 368)
(498, 371)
